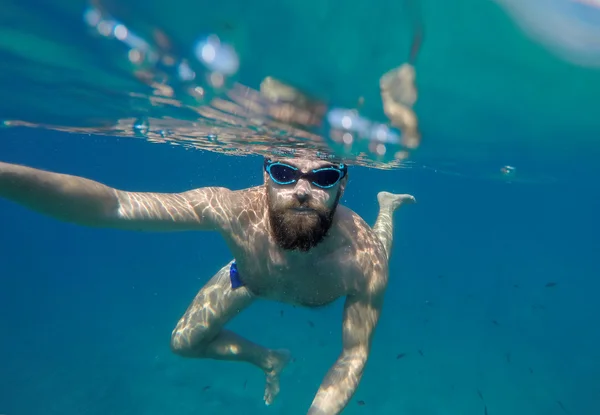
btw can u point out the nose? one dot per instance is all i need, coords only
(302, 191)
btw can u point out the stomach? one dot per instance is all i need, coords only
(306, 289)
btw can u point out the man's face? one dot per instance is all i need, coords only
(301, 213)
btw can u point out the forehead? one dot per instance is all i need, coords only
(305, 164)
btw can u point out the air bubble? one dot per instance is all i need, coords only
(92, 17)
(508, 171)
(217, 56)
(141, 126)
(185, 72)
(341, 119)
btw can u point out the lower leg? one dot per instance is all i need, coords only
(384, 225)
(228, 345)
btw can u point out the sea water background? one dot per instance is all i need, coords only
(86, 314)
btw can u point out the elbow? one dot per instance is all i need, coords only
(354, 361)
(357, 355)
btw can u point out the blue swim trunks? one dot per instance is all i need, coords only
(234, 276)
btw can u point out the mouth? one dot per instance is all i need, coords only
(302, 210)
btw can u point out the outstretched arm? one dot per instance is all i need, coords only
(86, 202)
(361, 313)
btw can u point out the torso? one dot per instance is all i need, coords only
(335, 268)
(304, 280)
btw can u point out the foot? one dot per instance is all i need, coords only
(387, 200)
(277, 361)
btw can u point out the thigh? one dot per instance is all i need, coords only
(214, 305)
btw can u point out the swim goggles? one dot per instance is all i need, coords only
(285, 174)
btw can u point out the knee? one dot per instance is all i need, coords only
(181, 343)
(188, 343)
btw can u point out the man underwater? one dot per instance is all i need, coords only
(292, 242)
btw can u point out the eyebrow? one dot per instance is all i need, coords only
(324, 166)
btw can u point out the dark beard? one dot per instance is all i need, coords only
(300, 232)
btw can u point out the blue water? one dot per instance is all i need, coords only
(87, 313)
(493, 290)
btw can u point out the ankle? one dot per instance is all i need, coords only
(267, 361)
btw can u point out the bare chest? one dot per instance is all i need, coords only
(308, 280)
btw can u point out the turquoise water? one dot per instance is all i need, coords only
(493, 277)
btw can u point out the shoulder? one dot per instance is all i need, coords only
(368, 253)
(353, 228)
(348, 220)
